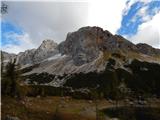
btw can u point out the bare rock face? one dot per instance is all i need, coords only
(45, 50)
(85, 44)
(123, 44)
(26, 57)
(81, 45)
(33, 56)
(147, 49)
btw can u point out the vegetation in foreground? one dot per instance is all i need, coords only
(49, 108)
(117, 85)
(67, 108)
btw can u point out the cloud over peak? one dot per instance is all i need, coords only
(33, 21)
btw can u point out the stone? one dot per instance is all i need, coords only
(8, 117)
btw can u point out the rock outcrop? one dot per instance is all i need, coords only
(25, 58)
(82, 45)
(47, 49)
(147, 49)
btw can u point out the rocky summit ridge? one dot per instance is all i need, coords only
(85, 50)
(33, 56)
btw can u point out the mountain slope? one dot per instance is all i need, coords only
(92, 57)
(83, 50)
(84, 46)
(90, 48)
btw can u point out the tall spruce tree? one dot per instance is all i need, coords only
(10, 80)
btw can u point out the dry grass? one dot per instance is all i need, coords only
(44, 108)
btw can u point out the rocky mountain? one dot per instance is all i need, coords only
(83, 46)
(87, 50)
(47, 49)
(25, 58)
(147, 49)
(86, 44)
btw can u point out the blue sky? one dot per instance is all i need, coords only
(8, 29)
(134, 19)
(128, 26)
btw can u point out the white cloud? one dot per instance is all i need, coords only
(149, 32)
(106, 14)
(53, 20)
(47, 20)
(142, 12)
(131, 2)
(23, 42)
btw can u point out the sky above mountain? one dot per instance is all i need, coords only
(28, 23)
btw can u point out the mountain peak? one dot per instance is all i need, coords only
(85, 44)
(82, 45)
(48, 44)
(33, 56)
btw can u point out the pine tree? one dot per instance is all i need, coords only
(10, 80)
